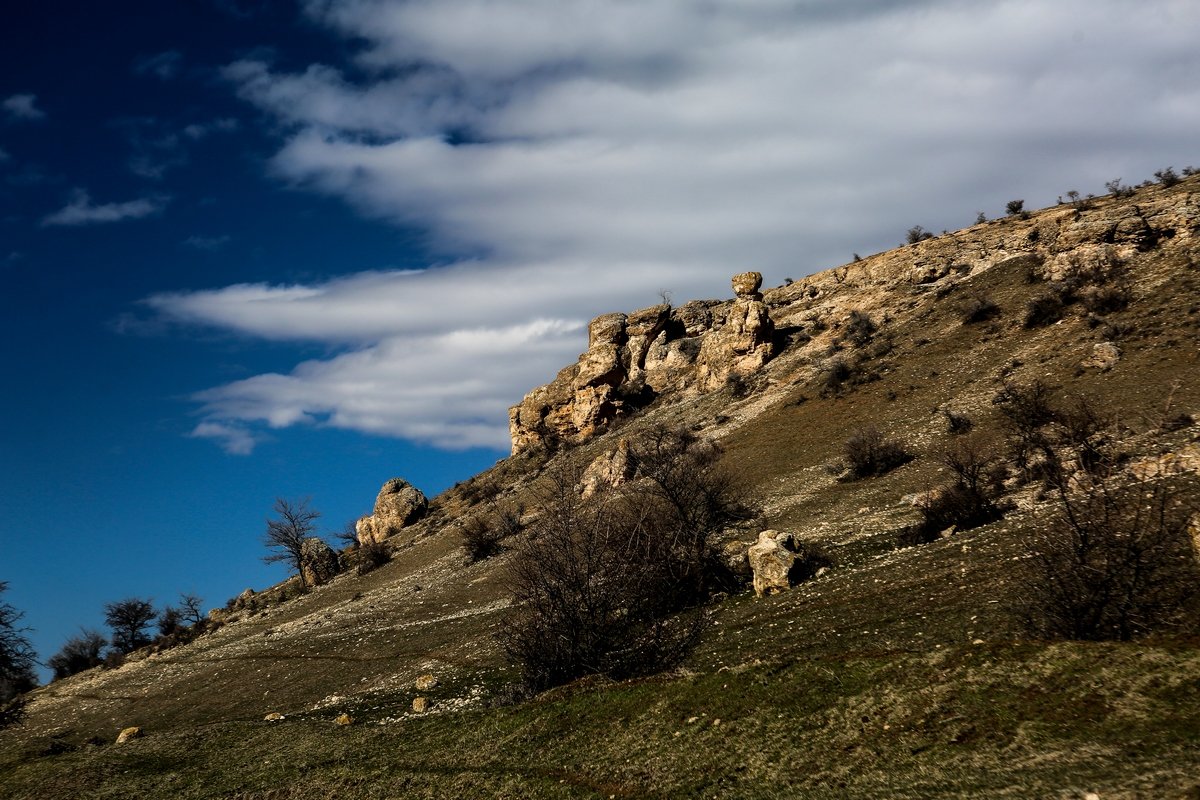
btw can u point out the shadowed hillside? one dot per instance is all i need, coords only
(905, 670)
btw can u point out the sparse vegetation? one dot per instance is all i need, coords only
(1115, 560)
(1167, 177)
(1118, 189)
(16, 664)
(868, 453)
(1043, 310)
(971, 500)
(979, 308)
(1015, 208)
(957, 423)
(77, 654)
(129, 620)
(917, 234)
(371, 556)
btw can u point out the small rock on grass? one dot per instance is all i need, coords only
(274, 716)
(343, 719)
(426, 682)
(129, 733)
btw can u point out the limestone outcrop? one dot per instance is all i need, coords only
(633, 358)
(398, 505)
(609, 470)
(318, 562)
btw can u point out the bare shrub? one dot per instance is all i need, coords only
(480, 539)
(77, 654)
(957, 423)
(1044, 309)
(371, 556)
(971, 500)
(1027, 410)
(1115, 560)
(1118, 189)
(869, 453)
(1167, 177)
(1015, 208)
(611, 585)
(916, 234)
(978, 308)
(860, 328)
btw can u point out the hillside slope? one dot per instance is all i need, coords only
(901, 672)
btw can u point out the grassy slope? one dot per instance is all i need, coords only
(899, 674)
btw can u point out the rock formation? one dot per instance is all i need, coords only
(771, 559)
(608, 470)
(631, 359)
(318, 562)
(398, 505)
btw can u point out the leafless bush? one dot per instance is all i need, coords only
(129, 619)
(916, 234)
(860, 328)
(971, 500)
(612, 584)
(868, 453)
(1118, 189)
(1044, 309)
(16, 664)
(1115, 560)
(77, 654)
(1167, 177)
(957, 423)
(1015, 208)
(978, 308)
(1027, 410)
(371, 556)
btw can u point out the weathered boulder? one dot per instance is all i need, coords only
(420, 705)
(273, 716)
(397, 505)
(641, 329)
(771, 559)
(747, 284)
(343, 720)
(1105, 356)
(610, 469)
(426, 682)
(125, 735)
(318, 562)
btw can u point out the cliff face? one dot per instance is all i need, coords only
(633, 359)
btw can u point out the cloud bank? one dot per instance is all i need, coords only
(572, 158)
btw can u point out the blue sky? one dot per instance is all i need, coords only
(259, 249)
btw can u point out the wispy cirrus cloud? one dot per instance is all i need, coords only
(571, 158)
(23, 107)
(164, 65)
(208, 243)
(82, 211)
(233, 439)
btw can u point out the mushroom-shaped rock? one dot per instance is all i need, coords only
(771, 559)
(746, 284)
(398, 505)
(318, 562)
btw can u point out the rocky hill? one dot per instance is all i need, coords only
(904, 670)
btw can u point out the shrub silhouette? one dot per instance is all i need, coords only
(1115, 560)
(868, 453)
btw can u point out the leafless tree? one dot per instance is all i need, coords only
(285, 535)
(16, 664)
(128, 620)
(192, 608)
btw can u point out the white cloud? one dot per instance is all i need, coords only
(233, 439)
(82, 211)
(23, 107)
(570, 158)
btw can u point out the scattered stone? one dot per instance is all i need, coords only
(426, 682)
(343, 720)
(420, 705)
(125, 735)
(734, 556)
(274, 716)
